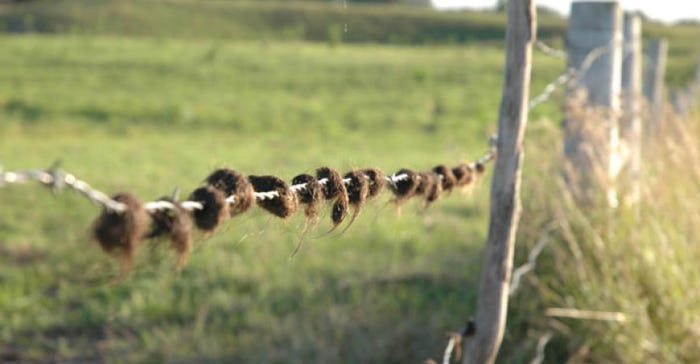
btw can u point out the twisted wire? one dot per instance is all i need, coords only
(531, 262)
(57, 179)
(550, 51)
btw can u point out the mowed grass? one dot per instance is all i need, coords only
(150, 115)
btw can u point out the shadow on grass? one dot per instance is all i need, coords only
(24, 110)
(395, 318)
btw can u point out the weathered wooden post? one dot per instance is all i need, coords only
(492, 304)
(594, 41)
(654, 75)
(631, 124)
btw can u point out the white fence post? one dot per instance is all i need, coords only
(595, 29)
(654, 81)
(631, 124)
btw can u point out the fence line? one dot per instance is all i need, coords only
(569, 75)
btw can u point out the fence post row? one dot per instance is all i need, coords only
(492, 302)
(595, 28)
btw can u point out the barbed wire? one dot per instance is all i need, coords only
(125, 221)
(550, 51)
(541, 344)
(548, 90)
(57, 179)
(455, 340)
(593, 56)
(571, 74)
(531, 262)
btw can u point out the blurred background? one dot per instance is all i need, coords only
(146, 96)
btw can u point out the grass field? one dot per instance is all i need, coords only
(146, 114)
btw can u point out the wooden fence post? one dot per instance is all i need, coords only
(654, 81)
(492, 303)
(594, 41)
(631, 124)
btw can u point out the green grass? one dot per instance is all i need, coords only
(147, 115)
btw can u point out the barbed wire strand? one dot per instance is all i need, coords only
(593, 56)
(447, 355)
(541, 344)
(531, 262)
(57, 180)
(570, 74)
(456, 340)
(550, 51)
(550, 88)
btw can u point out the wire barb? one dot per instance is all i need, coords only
(548, 90)
(541, 344)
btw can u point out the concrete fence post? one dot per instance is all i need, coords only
(594, 45)
(631, 124)
(654, 90)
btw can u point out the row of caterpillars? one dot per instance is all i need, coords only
(227, 193)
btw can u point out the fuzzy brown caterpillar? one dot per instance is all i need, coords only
(448, 178)
(233, 183)
(285, 204)
(118, 233)
(358, 190)
(334, 189)
(215, 207)
(429, 186)
(310, 195)
(464, 174)
(177, 224)
(405, 188)
(377, 181)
